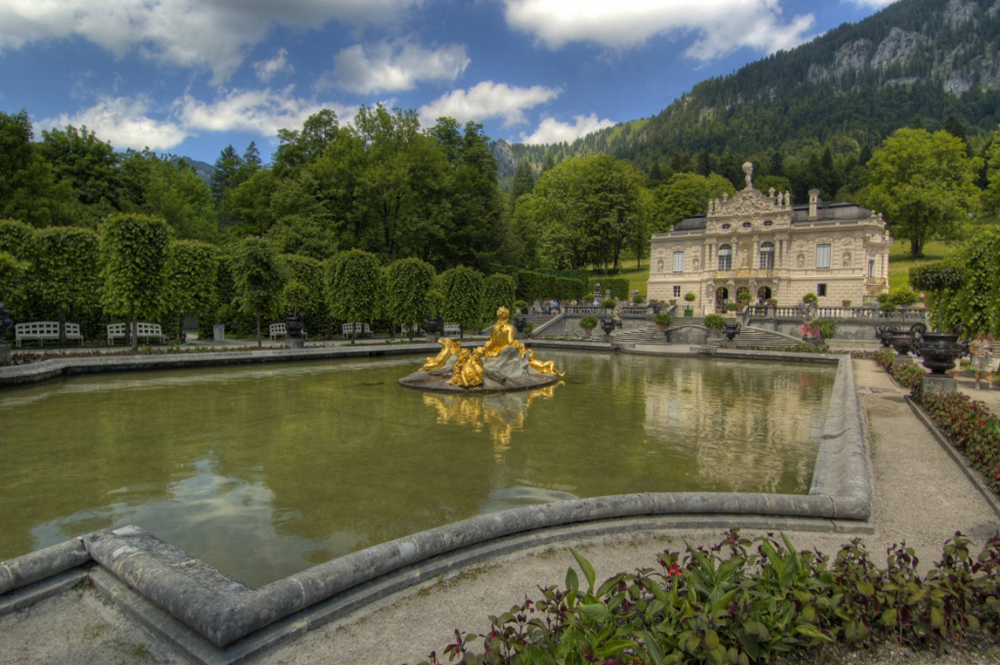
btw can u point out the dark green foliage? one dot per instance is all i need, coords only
(532, 286)
(407, 283)
(588, 322)
(940, 280)
(498, 291)
(827, 329)
(663, 319)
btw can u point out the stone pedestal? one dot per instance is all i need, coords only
(4, 354)
(902, 360)
(294, 343)
(939, 384)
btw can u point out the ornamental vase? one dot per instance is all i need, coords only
(940, 350)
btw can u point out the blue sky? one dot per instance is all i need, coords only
(189, 77)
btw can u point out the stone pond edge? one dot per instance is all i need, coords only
(224, 611)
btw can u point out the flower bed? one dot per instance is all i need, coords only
(762, 600)
(967, 424)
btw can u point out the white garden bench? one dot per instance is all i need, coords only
(40, 331)
(142, 331)
(347, 329)
(276, 330)
(452, 329)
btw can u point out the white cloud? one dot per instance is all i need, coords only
(266, 69)
(189, 33)
(488, 100)
(722, 25)
(128, 123)
(260, 111)
(383, 66)
(553, 131)
(124, 123)
(874, 4)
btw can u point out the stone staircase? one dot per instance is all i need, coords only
(757, 338)
(650, 334)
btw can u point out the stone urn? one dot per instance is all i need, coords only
(731, 330)
(903, 341)
(940, 350)
(434, 325)
(608, 326)
(293, 331)
(884, 334)
(519, 324)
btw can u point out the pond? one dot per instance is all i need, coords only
(262, 472)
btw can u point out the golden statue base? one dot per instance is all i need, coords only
(439, 380)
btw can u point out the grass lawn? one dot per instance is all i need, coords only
(900, 261)
(637, 277)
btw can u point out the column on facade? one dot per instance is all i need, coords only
(755, 254)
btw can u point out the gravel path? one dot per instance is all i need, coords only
(920, 496)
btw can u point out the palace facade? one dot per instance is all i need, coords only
(770, 248)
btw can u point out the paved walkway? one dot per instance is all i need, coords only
(920, 496)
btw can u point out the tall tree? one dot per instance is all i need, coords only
(354, 287)
(924, 184)
(190, 274)
(90, 166)
(133, 251)
(407, 283)
(524, 183)
(258, 277)
(28, 187)
(65, 272)
(299, 147)
(461, 289)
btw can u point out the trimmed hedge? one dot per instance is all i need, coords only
(618, 286)
(532, 286)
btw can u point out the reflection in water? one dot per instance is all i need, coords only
(499, 413)
(262, 472)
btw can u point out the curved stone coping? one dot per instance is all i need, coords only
(224, 611)
(57, 367)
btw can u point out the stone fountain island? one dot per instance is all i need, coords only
(501, 364)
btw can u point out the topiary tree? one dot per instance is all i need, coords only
(937, 278)
(407, 283)
(191, 273)
(293, 297)
(978, 300)
(354, 287)
(462, 291)
(498, 291)
(258, 277)
(66, 271)
(133, 255)
(309, 272)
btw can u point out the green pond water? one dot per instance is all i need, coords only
(265, 471)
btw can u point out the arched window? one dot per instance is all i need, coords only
(767, 256)
(725, 257)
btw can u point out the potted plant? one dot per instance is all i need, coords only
(810, 298)
(662, 320)
(744, 299)
(731, 308)
(714, 322)
(609, 303)
(588, 323)
(845, 302)
(673, 301)
(521, 306)
(688, 308)
(772, 302)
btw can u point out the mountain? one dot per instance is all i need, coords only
(915, 63)
(203, 169)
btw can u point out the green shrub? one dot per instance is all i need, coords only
(609, 303)
(618, 285)
(588, 322)
(521, 306)
(715, 322)
(731, 307)
(662, 319)
(810, 297)
(690, 297)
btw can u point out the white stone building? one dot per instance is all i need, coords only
(773, 249)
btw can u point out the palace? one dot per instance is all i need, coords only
(764, 245)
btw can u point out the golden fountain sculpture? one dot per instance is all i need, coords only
(468, 370)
